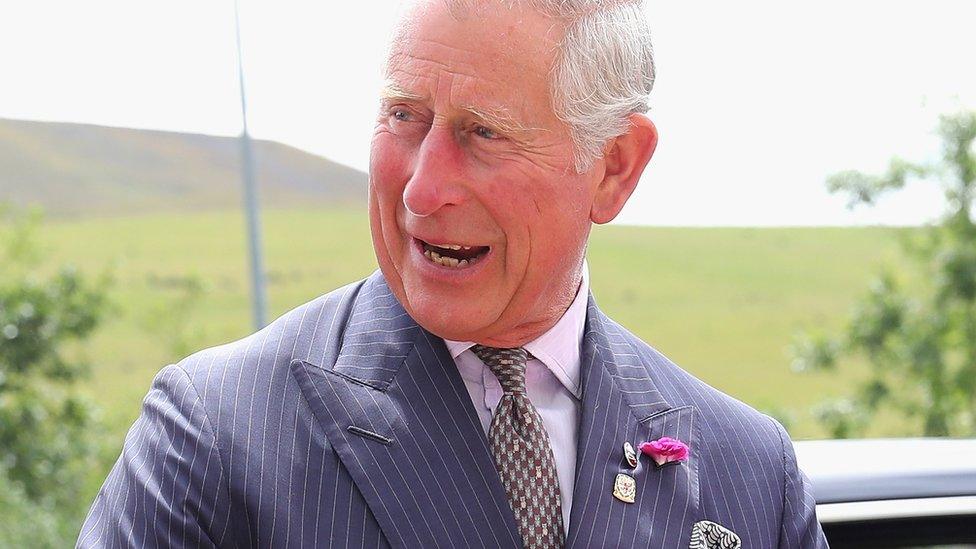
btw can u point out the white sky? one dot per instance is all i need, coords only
(756, 101)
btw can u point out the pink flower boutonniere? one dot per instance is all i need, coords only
(665, 450)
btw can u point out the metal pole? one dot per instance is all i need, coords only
(250, 194)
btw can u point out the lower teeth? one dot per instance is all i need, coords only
(447, 261)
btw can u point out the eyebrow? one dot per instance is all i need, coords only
(392, 90)
(494, 118)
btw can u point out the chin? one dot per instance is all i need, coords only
(451, 317)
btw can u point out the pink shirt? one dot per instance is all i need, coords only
(552, 383)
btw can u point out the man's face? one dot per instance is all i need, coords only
(468, 153)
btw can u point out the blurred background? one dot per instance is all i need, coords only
(802, 238)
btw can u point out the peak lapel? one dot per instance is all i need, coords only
(396, 412)
(621, 404)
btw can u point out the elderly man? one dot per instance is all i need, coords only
(470, 393)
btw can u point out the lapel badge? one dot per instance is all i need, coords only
(630, 455)
(625, 488)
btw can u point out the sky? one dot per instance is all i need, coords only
(756, 101)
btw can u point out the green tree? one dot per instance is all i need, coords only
(26, 523)
(919, 339)
(47, 431)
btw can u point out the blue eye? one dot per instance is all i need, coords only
(485, 133)
(401, 114)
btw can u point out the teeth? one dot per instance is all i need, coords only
(446, 261)
(451, 246)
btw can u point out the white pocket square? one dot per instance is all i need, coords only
(706, 534)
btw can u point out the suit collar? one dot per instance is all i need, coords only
(395, 411)
(378, 336)
(621, 403)
(428, 470)
(606, 351)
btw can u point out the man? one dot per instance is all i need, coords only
(471, 394)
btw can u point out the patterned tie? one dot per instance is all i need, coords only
(523, 455)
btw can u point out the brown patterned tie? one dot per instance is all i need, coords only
(523, 455)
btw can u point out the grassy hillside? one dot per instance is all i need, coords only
(723, 303)
(75, 169)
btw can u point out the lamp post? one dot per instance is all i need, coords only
(250, 195)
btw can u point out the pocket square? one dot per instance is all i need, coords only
(706, 534)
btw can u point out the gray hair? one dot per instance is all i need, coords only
(604, 71)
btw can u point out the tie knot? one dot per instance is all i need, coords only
(508, 365)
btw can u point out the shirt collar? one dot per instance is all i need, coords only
(559, 347)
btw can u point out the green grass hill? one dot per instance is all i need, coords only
(81, 169)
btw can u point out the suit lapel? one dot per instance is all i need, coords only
(621, 403)
(397, 414)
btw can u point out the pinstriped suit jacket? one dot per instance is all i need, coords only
(345, 424)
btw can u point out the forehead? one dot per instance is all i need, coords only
(489, 49)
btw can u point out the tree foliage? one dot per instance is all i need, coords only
(47, 431)
(920, 341)
(26, 523)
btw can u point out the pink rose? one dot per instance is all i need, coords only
(665, 450)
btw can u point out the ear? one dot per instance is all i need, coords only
(625, 157)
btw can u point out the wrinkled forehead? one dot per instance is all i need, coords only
(487, 33)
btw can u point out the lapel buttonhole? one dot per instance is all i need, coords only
(666, 465)
(359, 431)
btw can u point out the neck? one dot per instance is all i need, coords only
(553, 309)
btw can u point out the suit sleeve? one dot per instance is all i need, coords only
(167, 487)
(800, 528)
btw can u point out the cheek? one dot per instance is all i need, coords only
(558, 216)
(545, 222)
(388, 169)
(388, 173)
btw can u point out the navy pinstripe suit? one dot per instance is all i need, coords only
(345, 424)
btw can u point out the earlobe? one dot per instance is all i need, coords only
(625, 159)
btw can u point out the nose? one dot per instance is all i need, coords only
(437, 179)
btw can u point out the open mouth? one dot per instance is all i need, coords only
(457, 256)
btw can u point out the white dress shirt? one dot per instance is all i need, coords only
(552, 383)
